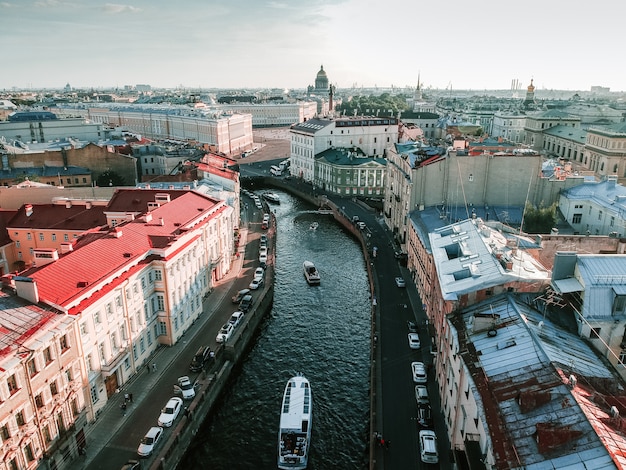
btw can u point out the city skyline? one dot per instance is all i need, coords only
(249, 44)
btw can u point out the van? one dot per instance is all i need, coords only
(275, 170)
(428, 446)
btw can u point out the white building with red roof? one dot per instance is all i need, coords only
(138, 284)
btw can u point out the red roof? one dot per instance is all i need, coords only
(120, 249)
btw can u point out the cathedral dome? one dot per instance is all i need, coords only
(321, 80)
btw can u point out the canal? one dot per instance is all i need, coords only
(321, 331)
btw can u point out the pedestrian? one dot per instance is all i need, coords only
(154, 367)
(382, 441)
(130, 397)
(148, 368)
(123, 407)
(387, 444)
(126, 398)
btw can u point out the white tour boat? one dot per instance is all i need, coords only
(311, 273)
(272, 197)
(294, 435)
(314, 226)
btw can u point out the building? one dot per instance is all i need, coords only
(509, 126)
(154, 267)
(347, 172)
(371, 135)
(226, 133)
(42, 386)
(520, 392)
(592, 290)
(605, 151)
(595, 208)
(42, 232)
(44, 126)
(538, 122)
(275, 114)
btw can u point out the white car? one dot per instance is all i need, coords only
(149, 441)
(263, 250)
(428, 446)
(170, 412)
(225, 333)
(185, 388)
(400, 282)
(256, 283)
(414, 341)
(263, 259)
(419, 372)
(259, 273)
(235, 319)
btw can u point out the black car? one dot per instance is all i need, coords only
(200, 358)
(424, 415)
(246, 303)
(411, 326)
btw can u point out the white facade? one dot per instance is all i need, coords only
(369, 134)
(51, 130)
(509, 126)
(275, 114)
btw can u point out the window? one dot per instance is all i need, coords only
(47, 355)
(54, 237)
(94, 394)
(83, 329)
(68, 375)
(160, 302)
(39, 400)
(46, 434)
(28, 452)
(577, 218)
(595, 333)
(66, 237)
(29, 236)
(12, 384)
(150, 277)
(158, 275)
(54, 389)
(17, 244)
(599, 215)
(4, 432)
(19, 418)
(32, 368)
(622, 362)
(96, 317)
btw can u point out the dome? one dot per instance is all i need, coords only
(321, 73)
(321, 81)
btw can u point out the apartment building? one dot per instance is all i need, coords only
(520, 392)
(44, 126)
(41, 232)
(371, 135)
(605, 151)
(42, 401)
(154, 268)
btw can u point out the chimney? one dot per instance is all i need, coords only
(26, 288)
(68, 204)
(148, 217)
(29, 210)
(161, 221)
(117, 232)
(88, 205)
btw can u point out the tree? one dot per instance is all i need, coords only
(539, 219)
(110, 178)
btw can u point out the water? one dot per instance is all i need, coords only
(322, 331)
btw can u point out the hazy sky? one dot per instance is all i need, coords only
(479, 44)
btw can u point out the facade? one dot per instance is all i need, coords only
(371, 135)
(43, 409)
(41, 232)
(425, 120)
(8, 256)
(565, 142)
(605, 151)
(595, 208)
(509, 126)
(145, 290)
(32, 127)
(229, 134)
(275, 114)
(537, 123)
(593, 289)
(346, 172)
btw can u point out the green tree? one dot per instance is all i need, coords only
(110, 178)
(539, 219)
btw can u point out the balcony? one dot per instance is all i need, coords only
(110, 367)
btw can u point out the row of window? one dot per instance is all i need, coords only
(42, 237)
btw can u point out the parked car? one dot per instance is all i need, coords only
(400, 282)
(150, 441)
(428, 446)
(263, 259)
(170, 412)
(199, 359)
(419, 372)
(425, 415)
(421, 394)
(235, 319)
(185, 388)
(411, 326)
(414, 341)
(263, 238)
(361, 225)
(263, 250)
(225, 333)
(132, 465)
(246, 303)
(240, 295)
(256, 283)
(259, 273)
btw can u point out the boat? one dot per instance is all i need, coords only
(314, 226)
(311, 273)
(272, 197)
(294, 435)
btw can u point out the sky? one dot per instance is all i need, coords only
(457, 44)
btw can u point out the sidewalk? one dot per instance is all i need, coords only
(99, 433)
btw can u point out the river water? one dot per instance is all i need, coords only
(322, 331)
